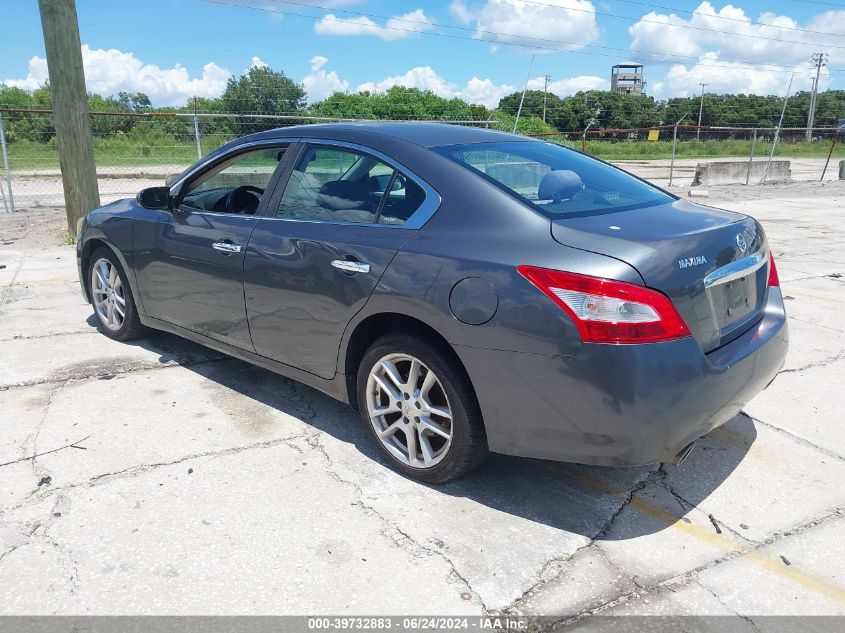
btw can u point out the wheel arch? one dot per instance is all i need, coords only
(368, 330)
(88, 248)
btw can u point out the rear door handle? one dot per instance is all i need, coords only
(226, 247)
(349, 266)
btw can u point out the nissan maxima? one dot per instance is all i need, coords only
(466, 290)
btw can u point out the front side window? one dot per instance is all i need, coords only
(235, 186)
(342, 185)
(556, 181)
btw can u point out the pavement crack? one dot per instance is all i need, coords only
(139, 469)
(819, 363)
(7, 289)
(68, 560)
(718, 598)
(405, 540)
(796, 438)
(658, 473)
(692, 574)
(115, 371)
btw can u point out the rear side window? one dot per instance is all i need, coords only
(342, 185)
(556, 181)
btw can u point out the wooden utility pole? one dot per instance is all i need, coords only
(70, 108)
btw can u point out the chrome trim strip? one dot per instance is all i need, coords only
(740, 268)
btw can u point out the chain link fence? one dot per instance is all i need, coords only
(135, 150)
(689, 155)
(131, 150)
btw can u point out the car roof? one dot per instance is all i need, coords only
(425, 134)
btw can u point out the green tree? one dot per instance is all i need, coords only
(398, 102)
(262, 90)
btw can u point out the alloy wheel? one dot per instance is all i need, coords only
(409, 410)
(108, 294)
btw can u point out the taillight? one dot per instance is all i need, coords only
(774, 280)
(607, 311)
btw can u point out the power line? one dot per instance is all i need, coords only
(755, 66)
(724, 17)
(827, 4)
(671, 25)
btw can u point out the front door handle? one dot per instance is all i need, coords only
(226, 247)
(348, 266)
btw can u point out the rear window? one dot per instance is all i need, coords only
(555, 180)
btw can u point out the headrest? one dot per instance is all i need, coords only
(342, 194)
(560, 184)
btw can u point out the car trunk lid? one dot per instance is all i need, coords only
(692, 253)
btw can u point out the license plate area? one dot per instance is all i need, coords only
(733, 300)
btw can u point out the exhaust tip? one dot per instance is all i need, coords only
(678, 459)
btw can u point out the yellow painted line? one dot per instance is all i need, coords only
(776, 566)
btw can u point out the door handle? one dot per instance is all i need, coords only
(348, 266)
(226, 247)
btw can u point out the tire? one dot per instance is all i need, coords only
(396, 409)
(107, 282)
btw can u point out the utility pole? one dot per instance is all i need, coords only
(777, 131)
(70, 108)
(700, 112)
(545, 93)
(522, 100)
(819, 59)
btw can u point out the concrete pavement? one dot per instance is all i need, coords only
(174, 480)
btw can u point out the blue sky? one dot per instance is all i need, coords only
(174, 48)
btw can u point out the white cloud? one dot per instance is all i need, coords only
(481, 91)
(477, 90)
(770, 43)
(724, 77)
(110, 71)
(772, 40)
(484, 92)
(571, 85)
(422, 77)
(395, 28)
(517, 22)
(257, 62)
(461, 11)
(320, 84)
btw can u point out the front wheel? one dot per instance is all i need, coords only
(111, 297)
(420, 409)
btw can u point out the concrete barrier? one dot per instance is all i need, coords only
(735, 171)
(842, 170)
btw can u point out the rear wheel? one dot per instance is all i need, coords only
(420, 409)
(111, 297)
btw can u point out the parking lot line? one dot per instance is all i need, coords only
(672, 520)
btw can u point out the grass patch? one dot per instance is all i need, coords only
(728, 148)
(127, 152)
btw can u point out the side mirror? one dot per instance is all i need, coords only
(154, 198)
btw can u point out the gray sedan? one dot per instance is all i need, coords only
(466, 290)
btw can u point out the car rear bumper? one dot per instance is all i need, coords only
(622, 405)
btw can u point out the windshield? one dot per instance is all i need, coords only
(557, 181)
